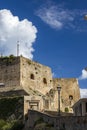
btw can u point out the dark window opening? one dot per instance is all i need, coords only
(50, 80)
(44, 81)
(80, 109)
(70, 97)
(86, 106)
(32, 76)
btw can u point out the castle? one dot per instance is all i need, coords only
(34, 81)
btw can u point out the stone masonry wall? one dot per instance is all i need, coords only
(69, 94)
(32, 76)
(35, 76)
(58, 123)
(10, 71)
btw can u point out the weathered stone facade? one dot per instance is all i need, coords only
(55, 122)
(35, 76)
(69, 92)
(10, 71)
(21, 76)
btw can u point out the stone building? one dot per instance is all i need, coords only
(21, 76)
(80, 107)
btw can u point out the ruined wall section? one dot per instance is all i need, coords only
(9, 71)
(35, 76)
(70, 92)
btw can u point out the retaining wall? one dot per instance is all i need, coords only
(58, 123)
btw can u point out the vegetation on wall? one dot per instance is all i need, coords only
(7, 59)
(11, 113)
(11, 107)
(29, 62)
(12, 125)
(66, 109)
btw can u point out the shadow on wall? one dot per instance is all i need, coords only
(62, 122)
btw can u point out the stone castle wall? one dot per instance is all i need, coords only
(70, 92)
(35, 76)
(36, 80)
(10, 71)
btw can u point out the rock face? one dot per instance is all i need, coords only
(21, 76)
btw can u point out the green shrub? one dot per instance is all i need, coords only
(2, 123)
(8, 106)
(7, 126)
(13, 125)
(66, 109)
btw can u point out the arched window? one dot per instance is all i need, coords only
(70, 97)
(32, 76)
(44, 81)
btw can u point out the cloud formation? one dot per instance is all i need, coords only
(83, 93)
(12, 30)
(59, 17)
(83, 75)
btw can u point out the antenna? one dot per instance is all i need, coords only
(17, 48)
(1, 55)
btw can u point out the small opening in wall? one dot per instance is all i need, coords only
(70, 97)
(50, 80)
(44, 81)
(32, 76)
(86, 106)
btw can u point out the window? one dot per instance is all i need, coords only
(70, 97)
(86, 106)
(50, 81)
(46, 104)
(44, 81)
(32, 76)
(80, 109)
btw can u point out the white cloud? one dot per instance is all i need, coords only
(83, 93)
(59, 17)
(48, 16)
(13, 30)
(83, 75)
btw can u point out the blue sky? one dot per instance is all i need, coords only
(51, 32)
